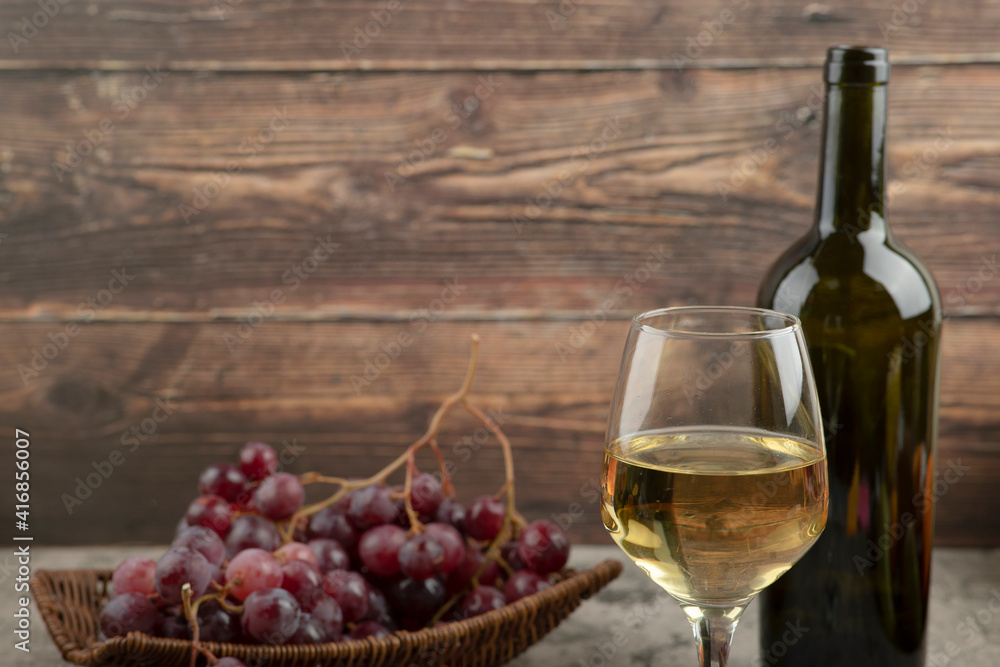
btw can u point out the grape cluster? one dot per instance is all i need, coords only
(356, 568)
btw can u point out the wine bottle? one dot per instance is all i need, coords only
(871, 315)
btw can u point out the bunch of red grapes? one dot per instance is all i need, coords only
(356, 568)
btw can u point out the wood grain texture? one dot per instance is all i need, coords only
(287, 216)
(488, 34)
(549, 383)
(415, 194)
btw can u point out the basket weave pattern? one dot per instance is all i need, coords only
(70, 602)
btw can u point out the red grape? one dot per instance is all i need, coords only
(420, 556)
(344, 504)
(296, 551)
(212, 512)
(543, 546)
(369, 629)
(329, 612)
(179, 566)
(508, 552)
(128, 612)
(378, 608)
(451, 541)
(372, 506)
(299, 531)
(252, 570)
(203, 540)
(271, 616)
(325, 623)
(215, 624)
(134, 575)
(491, 574)
(418, 599)
(218, 576)
(258, 460)
(462, 575)
(402, 519)
(304, 581)
(524, 583)
(252, 532)
(279, 495)
(244, 499)
(451, 513)
(310, 631)
(173, 626)
(425, 494)
(379, 549)
(222, 479)
(350, 590)
(484, 518)
(481, 600)
(330, 555)
(331, 523)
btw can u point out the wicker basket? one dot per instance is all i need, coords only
(70, 602)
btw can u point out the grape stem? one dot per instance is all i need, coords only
(191, 613)
(429, 438)
(411, 469)
(512, 517)
(512, 521)
(447, 488)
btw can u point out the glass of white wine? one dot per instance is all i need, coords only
(714, 478)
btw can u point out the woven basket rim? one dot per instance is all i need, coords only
(558, 600)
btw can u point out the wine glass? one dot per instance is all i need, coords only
(714, 478)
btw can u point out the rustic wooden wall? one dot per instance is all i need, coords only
(228, 138)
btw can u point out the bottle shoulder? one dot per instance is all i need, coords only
(904, 252)
(867, 278)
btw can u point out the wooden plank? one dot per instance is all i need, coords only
(549, 382)
(489, 34)
(465, 210)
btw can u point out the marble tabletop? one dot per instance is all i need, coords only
(632, 623)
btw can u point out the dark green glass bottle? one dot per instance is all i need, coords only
(871, 315)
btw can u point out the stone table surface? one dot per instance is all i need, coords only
(632, 623)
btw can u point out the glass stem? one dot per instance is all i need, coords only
(713, 633)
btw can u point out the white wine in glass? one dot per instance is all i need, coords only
(714, 478)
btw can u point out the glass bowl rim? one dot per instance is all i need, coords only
(792, 326)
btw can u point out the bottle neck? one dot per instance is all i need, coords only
(851, 196)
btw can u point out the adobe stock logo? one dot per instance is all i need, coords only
(30, 27)
(711, 30)
(363, 35)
